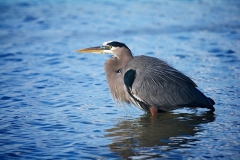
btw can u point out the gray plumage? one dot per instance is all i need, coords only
(147, 81)
(159, 85)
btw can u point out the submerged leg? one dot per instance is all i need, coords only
(153, 111)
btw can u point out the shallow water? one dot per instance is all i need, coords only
(55, 103)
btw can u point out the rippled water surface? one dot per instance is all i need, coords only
(55, 103)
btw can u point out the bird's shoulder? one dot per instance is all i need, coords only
(151, 69)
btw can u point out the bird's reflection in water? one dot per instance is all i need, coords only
(169, 131)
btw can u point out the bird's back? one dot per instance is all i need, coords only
(162, 86)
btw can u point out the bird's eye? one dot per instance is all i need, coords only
(109, 47)
(118, 71)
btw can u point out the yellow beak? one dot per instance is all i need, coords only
(97, 49)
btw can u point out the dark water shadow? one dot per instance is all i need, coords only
(169, 131)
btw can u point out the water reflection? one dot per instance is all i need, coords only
(168, 131)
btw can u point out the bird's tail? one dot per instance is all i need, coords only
(212, 102)
(202, 101)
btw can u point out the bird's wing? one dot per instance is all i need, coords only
(158, 84)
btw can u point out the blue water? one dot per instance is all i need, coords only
(55, 103)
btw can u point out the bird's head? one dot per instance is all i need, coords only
(110, 47)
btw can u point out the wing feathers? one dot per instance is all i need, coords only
(162, 86)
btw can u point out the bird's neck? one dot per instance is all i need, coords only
(126, 56)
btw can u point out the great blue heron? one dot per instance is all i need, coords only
(149, 83)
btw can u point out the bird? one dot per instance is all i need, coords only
(149, 83)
